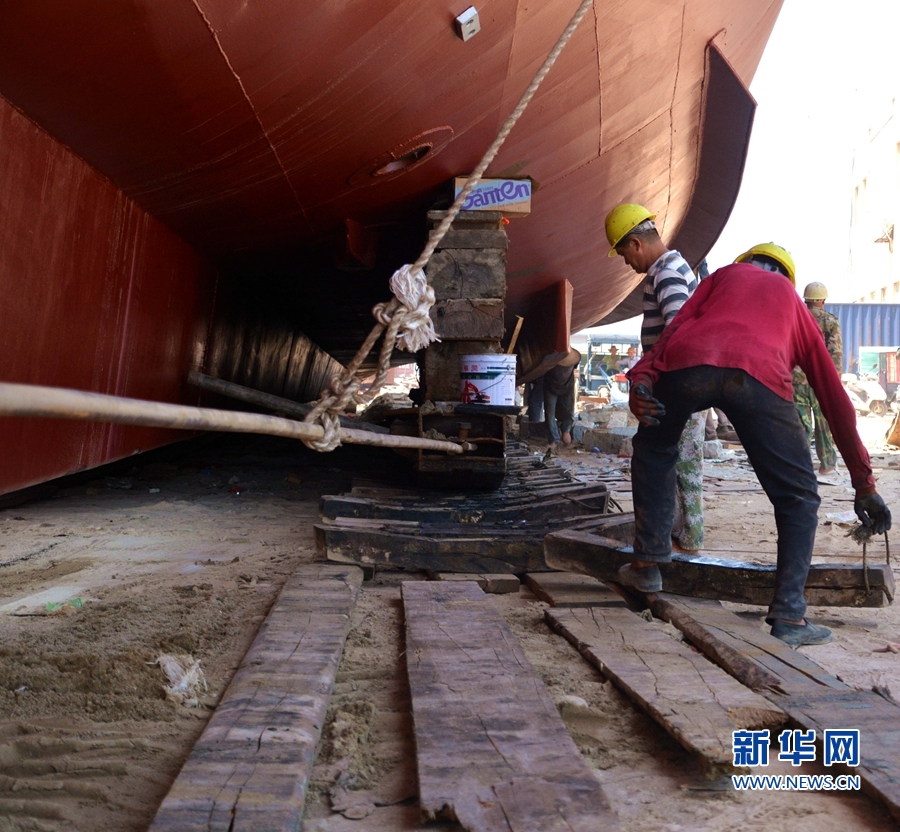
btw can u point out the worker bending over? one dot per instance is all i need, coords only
(733, 345)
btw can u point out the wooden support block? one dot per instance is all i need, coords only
(250, 767)
(491, 220)
(456, 273)
(589, 502)
(506, 548)
(695, 701)
(468, 319)
(811, 697)
(727, 580)
(569, 589)
(492, 550)
(492, 751)
(491, 584)
(475, 238)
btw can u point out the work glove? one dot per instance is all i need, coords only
(644, 406)
(873, 513)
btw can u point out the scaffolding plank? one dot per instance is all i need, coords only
(492, 750)
(569, 589)
(250, 767)
(811, 697)
(728, 580)
(694, 700)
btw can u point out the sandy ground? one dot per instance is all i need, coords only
(182, 552)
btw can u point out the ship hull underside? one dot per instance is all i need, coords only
(228, 186)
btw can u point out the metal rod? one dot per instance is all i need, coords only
(60, 403)
(267, 400)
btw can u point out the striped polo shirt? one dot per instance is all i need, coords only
(670, 282)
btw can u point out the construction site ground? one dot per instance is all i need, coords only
(182, 551)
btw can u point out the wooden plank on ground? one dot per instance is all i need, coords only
(249, 769)
(569, 589)
(492, 750)
(727, 580)
(749, 643)
(694, 700)
(491, 584)
(812, 697)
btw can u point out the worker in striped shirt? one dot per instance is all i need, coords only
(632, 235)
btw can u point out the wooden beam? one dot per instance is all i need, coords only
(569, 589)
(590, 502)
(491, 584)
(811, 697)
(492, 550)
(446, 547)
(515, 335)
(695, 701)
(727, 580)
(492, 751)
(249, 769)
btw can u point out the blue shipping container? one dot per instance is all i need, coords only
(866, 325)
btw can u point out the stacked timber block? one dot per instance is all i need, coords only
(468, 275)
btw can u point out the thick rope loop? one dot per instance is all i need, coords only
(414, 298)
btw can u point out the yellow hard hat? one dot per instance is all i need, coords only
(621, 220)
(775, 252)
(815, 291)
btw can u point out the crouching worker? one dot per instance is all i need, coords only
(733, 345)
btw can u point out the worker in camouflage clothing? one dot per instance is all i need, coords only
(814, 423)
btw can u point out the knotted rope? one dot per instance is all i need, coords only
(405, 319)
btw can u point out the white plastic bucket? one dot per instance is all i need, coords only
(487, 379)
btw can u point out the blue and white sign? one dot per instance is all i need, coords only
(510, 196)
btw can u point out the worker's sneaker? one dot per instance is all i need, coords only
(799, 634)
(641, 578)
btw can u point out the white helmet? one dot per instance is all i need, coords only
(815, 291)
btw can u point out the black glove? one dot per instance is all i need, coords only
(644, 406)
(873, 513)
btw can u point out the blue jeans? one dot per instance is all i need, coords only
(559, 411)
(775, 443)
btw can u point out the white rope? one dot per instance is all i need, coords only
(406, 317)
(410, 287)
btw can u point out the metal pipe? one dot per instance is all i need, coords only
(60, 403)
(267, 400)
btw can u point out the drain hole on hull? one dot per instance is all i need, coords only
(403, 162)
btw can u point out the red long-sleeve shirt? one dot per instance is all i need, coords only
(744, 317)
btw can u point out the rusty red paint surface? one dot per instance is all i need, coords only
(242, 125)
(97, 295)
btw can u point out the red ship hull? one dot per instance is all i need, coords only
(179, 179)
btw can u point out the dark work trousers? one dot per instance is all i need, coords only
(559, 410)
(534, 398)
(773, 438)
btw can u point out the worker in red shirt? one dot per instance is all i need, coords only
(733, 345)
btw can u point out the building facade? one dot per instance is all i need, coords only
(874, 266)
